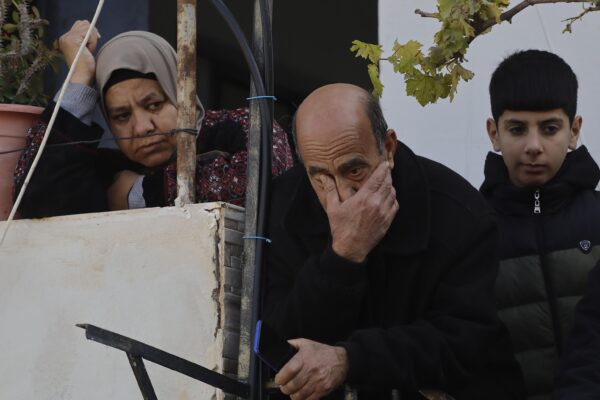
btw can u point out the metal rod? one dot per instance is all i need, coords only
(141, 376)
(186, 100)
(166, 360)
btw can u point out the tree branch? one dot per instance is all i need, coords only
(426, 14)
(572, 20)
(508, 15)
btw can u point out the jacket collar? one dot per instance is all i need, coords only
(410, 230)
(578, 172)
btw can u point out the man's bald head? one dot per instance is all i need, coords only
(339, 103)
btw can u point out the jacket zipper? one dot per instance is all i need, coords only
(549, 284)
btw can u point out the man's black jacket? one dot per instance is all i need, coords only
(419, 312)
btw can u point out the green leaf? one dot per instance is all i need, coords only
(422, 88)
(10, 28)
(492, 11)
(374, 76)
(467, 29)
(451, 40)
(410, 49)
(371, 52)
(463, 73)
(406, 56)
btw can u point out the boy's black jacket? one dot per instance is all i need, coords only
(544, 258)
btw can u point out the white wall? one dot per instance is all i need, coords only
(454, 133)
(155, 275)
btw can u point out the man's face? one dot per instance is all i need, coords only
(534, 144)
(138, 108)
(344, 149)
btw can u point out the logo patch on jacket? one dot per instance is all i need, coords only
(585, 246)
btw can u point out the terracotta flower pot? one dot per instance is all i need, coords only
(15, 121)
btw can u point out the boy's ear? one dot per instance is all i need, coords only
(575, 130)
(492, 131)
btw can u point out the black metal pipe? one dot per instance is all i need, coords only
(265, 106)
(256, 368)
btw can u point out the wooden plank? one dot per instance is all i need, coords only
(186, 101)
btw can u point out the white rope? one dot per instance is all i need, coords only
(550, 48)
(51, 123)
(544, 31)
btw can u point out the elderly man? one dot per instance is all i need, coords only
(382, 265)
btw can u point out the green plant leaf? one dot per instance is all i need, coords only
(438, 73)
(406, 56)
(23, 54)
(374, 76)
(422, 88)
(10, 28)
(371, 52)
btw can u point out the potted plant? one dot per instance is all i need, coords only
(23, 60)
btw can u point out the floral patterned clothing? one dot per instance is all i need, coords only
(74, 178)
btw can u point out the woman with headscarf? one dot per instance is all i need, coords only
(135, 73)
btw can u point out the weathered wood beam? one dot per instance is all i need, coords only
(186, 101)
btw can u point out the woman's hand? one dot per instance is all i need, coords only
(69, 43)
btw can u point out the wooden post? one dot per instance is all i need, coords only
(186, 101)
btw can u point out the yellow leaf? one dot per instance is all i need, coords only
(374, 76)
(371, 52)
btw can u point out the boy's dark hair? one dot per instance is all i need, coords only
(533, 80)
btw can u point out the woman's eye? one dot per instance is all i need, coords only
(120, 117)
(154, 106)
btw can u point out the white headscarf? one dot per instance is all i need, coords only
(143, 52)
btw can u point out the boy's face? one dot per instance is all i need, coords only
(533, 143)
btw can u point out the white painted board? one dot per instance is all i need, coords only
(147, 274)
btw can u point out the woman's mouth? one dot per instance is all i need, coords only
(149, 147)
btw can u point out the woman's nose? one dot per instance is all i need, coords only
(143, 125)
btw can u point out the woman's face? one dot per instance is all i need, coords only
(136, 109)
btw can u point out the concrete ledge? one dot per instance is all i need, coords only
(157, 275)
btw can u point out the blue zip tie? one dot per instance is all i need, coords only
(262, 97)
(258, 238)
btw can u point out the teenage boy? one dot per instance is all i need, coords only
(542, 189)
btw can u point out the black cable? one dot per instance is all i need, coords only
(260, 277)
(265, 170)
(172, 132)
